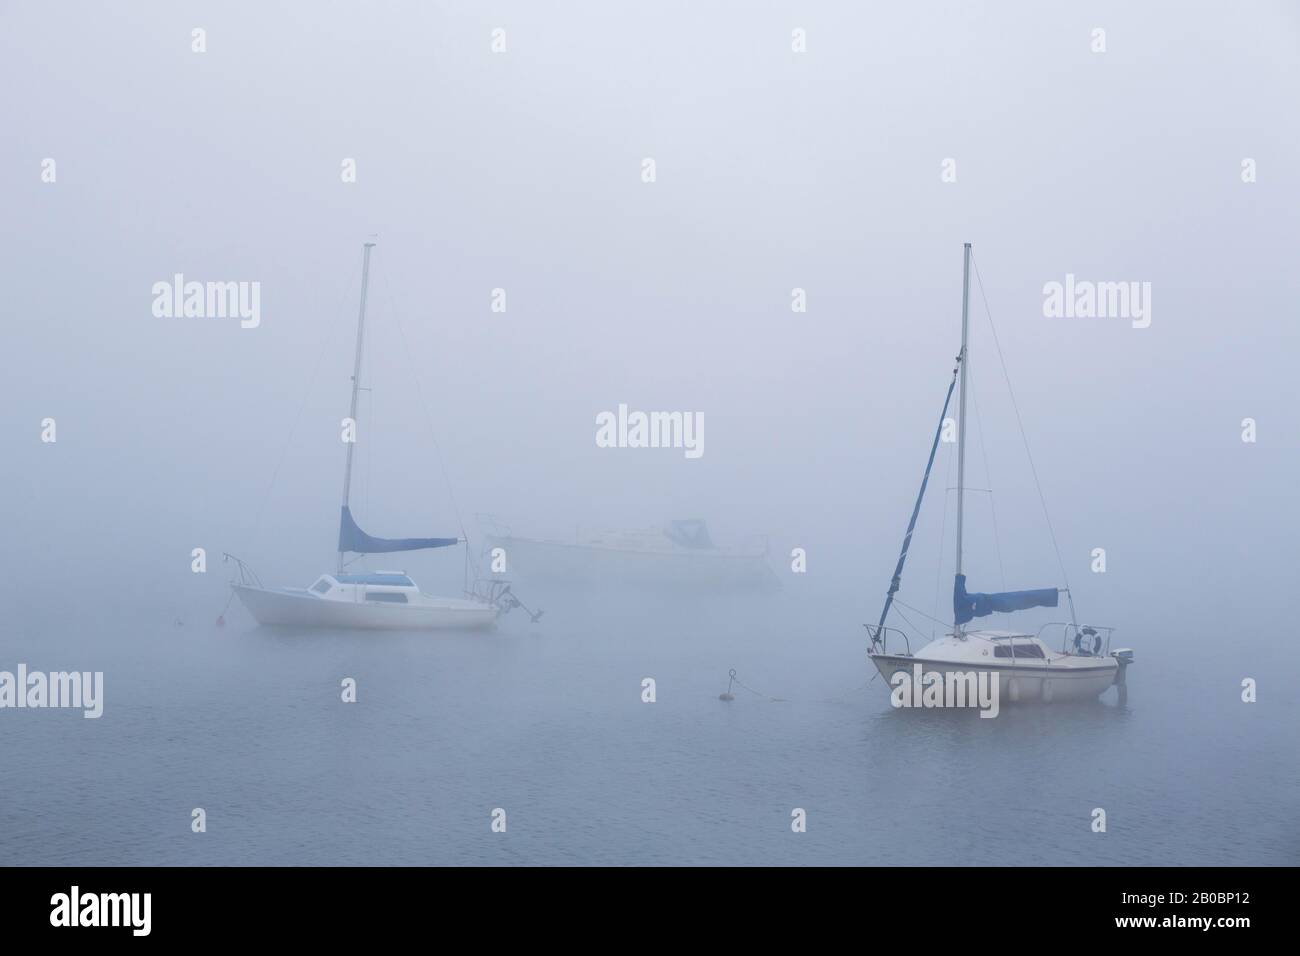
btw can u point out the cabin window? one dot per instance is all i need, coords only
(389, 597)
(1021, 650)
(321, 587)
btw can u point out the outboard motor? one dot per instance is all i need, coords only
(1124, 657)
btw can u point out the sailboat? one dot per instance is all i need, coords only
(379, 600)
(1026, 668)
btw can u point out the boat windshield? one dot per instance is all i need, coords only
(389, 579)
(1017, 650)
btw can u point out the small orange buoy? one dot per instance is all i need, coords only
(725, 696)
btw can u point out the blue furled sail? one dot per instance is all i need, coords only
(967, 606)
(352, 538)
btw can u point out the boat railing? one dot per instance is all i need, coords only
(499, 594)
(247, 576)
(1082, 640)
(880, 638)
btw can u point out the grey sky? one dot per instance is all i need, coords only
(775, 170)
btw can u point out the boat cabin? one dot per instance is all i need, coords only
(1018, 646)
(377, 587)
(1009, 645)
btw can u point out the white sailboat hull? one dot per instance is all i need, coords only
(668, 568)
(294, 607)
(1045, 677)
(1016, 684)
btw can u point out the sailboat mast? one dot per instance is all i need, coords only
(356, 379)
(961, 405)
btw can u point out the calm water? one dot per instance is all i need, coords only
(546, 721)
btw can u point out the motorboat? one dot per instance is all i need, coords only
(681, 556)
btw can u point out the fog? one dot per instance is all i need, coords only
(522, 170)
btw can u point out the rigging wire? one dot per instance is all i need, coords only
(917, 610)
(326, 342)
(988, 480)
(907, 620)
(470, 560)
(368, 448)
(1023, 436)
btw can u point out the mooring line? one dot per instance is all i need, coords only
(733, 680)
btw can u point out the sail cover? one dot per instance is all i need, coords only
(966, 606)
(352, 538)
